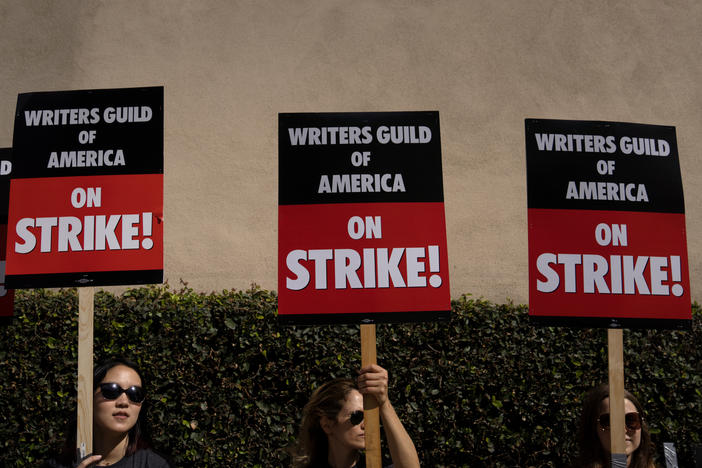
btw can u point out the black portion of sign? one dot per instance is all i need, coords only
(301, 167)
(140, 142)
(375, 317)
(609, 322)
(103, 278)
(5, 175)
(549, 172)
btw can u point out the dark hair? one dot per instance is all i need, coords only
(592, 454)
(138, 434)
(312, 446)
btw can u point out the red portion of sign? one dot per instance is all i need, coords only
(7, 302)
(7, 297)
(362, 258)
(614, 264)
(85, 224)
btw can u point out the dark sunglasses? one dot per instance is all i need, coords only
(112, 391)
(632, 421)
(356, 417)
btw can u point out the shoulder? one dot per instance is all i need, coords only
(146, 458)
(54, 463)
(361, 463)
(154, 460)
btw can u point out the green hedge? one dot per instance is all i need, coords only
(228, 383)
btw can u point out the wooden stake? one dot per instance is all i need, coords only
(371, 413)
(617, 431)
(84, 440)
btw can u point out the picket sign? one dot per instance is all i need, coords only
(86, 302)
(371, 413)
(615, 355)
(83, 162)
(593, 189)
(361, 226)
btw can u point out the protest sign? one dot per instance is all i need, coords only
(361, 227)
(7, 296)
(606, 215)
(86, 196)
(86, 203)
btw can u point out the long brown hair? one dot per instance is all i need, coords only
(591, 452)
(312, 446)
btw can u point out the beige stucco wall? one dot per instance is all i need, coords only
(229, 67)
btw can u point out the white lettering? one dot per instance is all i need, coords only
(22, 230)
(381, 268)
(608, 275)
(95, 232)
(86, 158)
(606, 191)
(302, 276)
(361, 183)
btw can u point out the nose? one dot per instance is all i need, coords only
(122, 400)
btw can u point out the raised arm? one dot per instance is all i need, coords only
(373, 380)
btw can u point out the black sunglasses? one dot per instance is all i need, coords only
(632, 421)
(112, 391)
(356, 417)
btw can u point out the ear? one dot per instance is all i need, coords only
(327, 424)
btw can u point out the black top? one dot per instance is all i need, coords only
(141, 459)
(361, 463)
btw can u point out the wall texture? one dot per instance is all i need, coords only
(229, 67)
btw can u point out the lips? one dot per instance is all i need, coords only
(120, 415)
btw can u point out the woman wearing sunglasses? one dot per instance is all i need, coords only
(119, 411)
(594, 434)
(332, 430)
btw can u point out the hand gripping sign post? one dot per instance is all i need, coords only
(7, 296)
(86, 202)
(361, 228)
(607, 244)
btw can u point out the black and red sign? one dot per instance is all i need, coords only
(86, 195)
(361, 226)
(7, 296)
(607, 244)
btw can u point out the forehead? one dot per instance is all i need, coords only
(353, 402)
(122, 375)
(629, 406)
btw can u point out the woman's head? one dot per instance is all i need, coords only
(331, 418)
(111, 414)
(119, 405)
(633, 420)
(595, 434)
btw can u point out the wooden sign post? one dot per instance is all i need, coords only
(615, 349)
(371, 413)
(86, 296)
